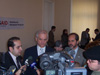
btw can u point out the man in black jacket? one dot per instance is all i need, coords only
(37, 50)
(96, 31)
(12, 56)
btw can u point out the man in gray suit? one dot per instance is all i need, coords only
(73, 41)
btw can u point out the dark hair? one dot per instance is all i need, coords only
(58, 43)
(87, 29)
(76, 36)
(96, 30)
(53, 27)
(64, 31)
(10, 42)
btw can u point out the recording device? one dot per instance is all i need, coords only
(10, 71)
(70, 51)
(29, 62)
(60, 63)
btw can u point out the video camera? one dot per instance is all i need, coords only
(60, 63)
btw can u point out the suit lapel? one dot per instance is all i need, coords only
(77, 58)
(11, 60)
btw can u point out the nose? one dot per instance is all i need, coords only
(21, 48)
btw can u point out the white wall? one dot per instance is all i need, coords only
(30, 11)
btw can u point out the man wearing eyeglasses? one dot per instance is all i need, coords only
(93, 59)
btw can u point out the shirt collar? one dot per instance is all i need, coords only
(13, 56)
(76, 50)
(40, 47)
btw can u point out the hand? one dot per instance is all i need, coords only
(38, 71)
(23, 68)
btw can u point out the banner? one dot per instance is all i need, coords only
(11, 23)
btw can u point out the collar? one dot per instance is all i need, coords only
(76, 50)
(13, 56)
(38, 47)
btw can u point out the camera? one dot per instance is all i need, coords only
(60, 63)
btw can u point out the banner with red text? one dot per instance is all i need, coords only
(11, 23)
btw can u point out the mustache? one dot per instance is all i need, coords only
(70, 45)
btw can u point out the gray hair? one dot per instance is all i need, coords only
(41, 32)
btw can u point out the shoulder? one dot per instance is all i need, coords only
(7, 54)
(30, 48)
(81, 50)
(49, 49)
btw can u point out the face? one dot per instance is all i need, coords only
(95, 32)
(54, 29)
(72, 42)
(59, 48)
(42, 40)
(87, 31)
(66, 32)
(17, 49)
(93, 65)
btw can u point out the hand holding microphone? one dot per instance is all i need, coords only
(21, 70)
(29, 62)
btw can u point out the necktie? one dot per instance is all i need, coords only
(18, 63)
(41, 50)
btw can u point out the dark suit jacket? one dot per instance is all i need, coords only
(32, 51)
(84, 39)
(9, 61)
(51, 40)
(97, 37)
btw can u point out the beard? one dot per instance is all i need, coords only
(72, 46)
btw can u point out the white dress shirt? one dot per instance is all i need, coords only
(76, 52)
(14, 59)
(40, 50)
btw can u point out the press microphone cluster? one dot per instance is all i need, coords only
(70, 51)
(29, 62)
(11, 70)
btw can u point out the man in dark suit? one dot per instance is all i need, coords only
(37, 50)
(12, 55)
(51, 40)
(73, 41)
(96, 31)
(85, 38)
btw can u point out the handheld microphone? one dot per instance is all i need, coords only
(11, 70)
(34, 65)
(72, 53)
(68, 49)
(29, 62)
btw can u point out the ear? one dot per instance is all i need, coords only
(11, 49)
(36, 38)
(77, 42)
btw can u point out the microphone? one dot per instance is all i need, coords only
(29, 62)
(11, 70)
(72, 53)
(34, 65)
(68, 49)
